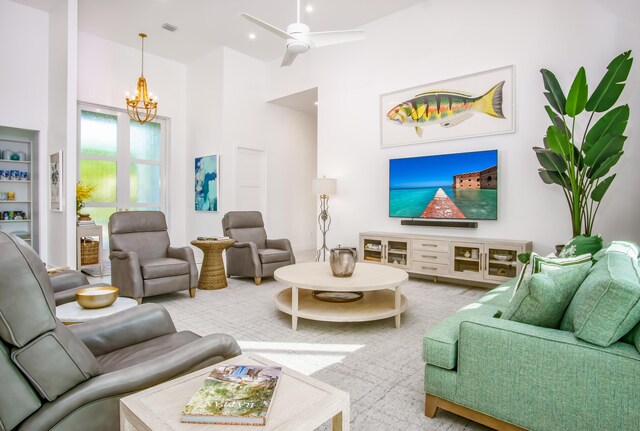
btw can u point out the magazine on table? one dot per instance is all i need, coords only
(234, 395)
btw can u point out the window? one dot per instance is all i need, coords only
(123, 159)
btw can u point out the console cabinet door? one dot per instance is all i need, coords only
(387, 251)
(397, 252)
(501, 261)
(372, 249)
(466, 260)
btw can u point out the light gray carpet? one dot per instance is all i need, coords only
(381, 367)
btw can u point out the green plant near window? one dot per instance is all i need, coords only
(84, 192)
(579, 163)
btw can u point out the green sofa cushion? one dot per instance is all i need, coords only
(440, 344)
(607, 305)
(539, 263)
(582, 245)
(543, 297)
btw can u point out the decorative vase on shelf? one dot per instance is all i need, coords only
(84, 217)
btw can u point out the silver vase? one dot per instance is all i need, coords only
(343, 261)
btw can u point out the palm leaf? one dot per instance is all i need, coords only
(601, 169)
(554, 93)
(550, 160)
(557, 121)
(613, 122)
(606, 146)
(553, 177)
(608, 91)
(577, 98)
(557, 141)
(598, 193)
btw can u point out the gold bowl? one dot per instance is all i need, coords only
(97, 297)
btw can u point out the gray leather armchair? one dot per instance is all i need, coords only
(142, 262)
(253, 254)
(54, 377)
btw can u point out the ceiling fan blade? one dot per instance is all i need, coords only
(326, 38)
(275, 30)
(288, 58)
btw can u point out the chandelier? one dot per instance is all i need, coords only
(142, 108)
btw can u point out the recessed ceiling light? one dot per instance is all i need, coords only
(315, 103)
(252, 36)
(309, 8)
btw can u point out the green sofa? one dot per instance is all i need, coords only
(511, 376)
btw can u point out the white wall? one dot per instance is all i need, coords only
(227, 110)
(205, 138)
(434, 41)
(62, 132)
(106, 70)
(24, 84)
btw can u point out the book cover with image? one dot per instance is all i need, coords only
(234, 394)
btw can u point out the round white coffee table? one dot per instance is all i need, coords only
(380, 285)
(71, 312)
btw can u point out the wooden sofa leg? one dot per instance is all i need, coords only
(192, 292)
(258, 280)
(430, 405)
(139, 300)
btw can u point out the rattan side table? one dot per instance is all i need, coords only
(212, 274)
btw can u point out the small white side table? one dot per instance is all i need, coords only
(91, 231)
(71, 312)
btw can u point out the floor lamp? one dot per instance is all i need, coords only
(324, 187)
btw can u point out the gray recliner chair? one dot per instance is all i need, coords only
(54, 377)
(142, 262)
(253, 254)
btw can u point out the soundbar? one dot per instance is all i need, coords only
(440, 223)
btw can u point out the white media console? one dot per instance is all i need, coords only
(475, 259)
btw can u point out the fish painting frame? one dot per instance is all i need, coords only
(207, 183)
(479, 104)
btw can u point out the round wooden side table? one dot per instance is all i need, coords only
(212, 274)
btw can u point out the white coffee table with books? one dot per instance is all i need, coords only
(300, 403)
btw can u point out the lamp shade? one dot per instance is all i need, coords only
(325, 186)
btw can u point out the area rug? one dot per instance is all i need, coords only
(380, 366)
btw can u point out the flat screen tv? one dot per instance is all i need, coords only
(447, 186)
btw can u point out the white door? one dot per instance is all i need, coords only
(251, 187)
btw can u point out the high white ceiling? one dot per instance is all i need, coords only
(204, 25)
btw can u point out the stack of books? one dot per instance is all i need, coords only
(234, 395)
(86, 223)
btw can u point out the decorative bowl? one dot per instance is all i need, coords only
(504, 257)
(97, 297)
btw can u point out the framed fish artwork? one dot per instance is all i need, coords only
(468, 106)
(207, 171)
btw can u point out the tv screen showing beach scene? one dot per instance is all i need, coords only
(447, 186)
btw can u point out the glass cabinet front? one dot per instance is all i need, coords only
(467, 259)
(501, 262)
(397, 252)
(372, 250)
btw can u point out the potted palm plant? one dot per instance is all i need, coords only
(580, 161)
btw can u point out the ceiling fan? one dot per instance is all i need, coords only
(300, 39)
